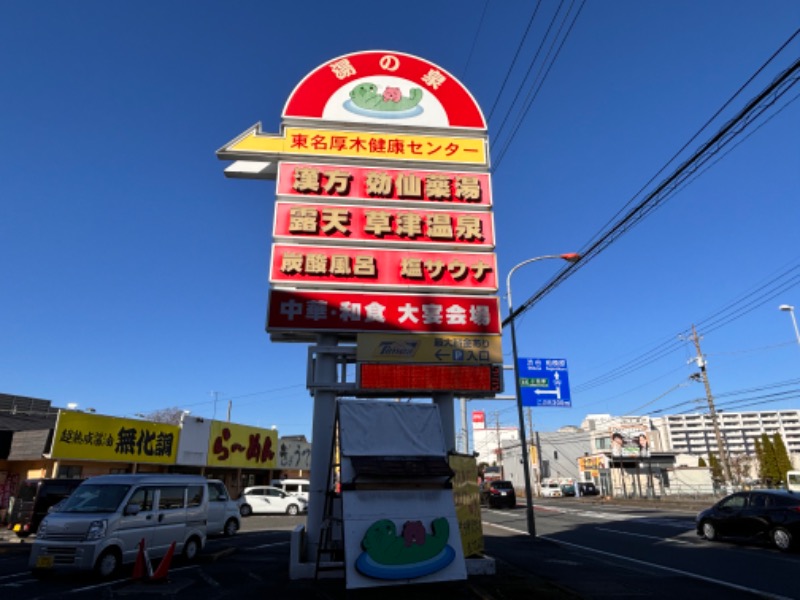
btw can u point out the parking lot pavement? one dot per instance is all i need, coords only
(11, 542)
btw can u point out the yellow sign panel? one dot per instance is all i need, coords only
(232, 445)
(468, 503)
(430, 348)
(97, 437)
(301, 142)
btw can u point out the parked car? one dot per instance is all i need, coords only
(101, 524)
(296, 487)
(551, 490)
(756, 515)
(265, 499)
(224, 516)
(587, 488)
(35, 497)
(498, 494)
(567, 489)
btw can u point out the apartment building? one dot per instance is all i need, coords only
(694, 433)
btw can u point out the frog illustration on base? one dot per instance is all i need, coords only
(411, 554)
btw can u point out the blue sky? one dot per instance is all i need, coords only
(135, 275)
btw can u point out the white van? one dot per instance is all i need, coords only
(101, 524)
(793, 481)
(293, 487)
(223, 513)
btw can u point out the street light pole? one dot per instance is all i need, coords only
(572, 257)
(790, 309)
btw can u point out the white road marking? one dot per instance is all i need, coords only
(266, 546)
(649, 537)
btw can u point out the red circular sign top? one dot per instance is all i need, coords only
(384, 88)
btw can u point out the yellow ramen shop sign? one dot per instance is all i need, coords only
(101, 438)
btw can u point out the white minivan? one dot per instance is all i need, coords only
(294, 487)
(102, 523)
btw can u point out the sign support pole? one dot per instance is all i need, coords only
(446, 403)
(324, 420)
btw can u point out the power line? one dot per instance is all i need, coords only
(733, 128)
(764, 292)
(475, 38)
(514, 62)
(534, 90)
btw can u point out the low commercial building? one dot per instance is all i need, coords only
(38, 440)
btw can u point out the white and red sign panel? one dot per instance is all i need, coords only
(382, 225)
(478, 419)
(384, 87)
(315, 311)
(343, 267)
(322, 182)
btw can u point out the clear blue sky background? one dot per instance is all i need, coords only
(135, 275)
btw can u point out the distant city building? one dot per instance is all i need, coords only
(694, 433)
(489, 441)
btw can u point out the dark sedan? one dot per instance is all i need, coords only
(498, 493)
(757, 515)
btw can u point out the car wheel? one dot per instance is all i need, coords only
(292, 509)
(709, 531)
(245, 510)
(782, 539)
(231, 527)
(191, 549)
(108, 563)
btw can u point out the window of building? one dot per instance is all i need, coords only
(69, 472)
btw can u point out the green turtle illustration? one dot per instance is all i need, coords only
(384, 546)
(366, 96)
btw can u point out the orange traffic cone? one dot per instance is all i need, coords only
(139, 566)
(161, 572)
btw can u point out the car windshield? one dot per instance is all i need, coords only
(503, 485)
(90, 498)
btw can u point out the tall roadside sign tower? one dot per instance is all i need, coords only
(383, 236)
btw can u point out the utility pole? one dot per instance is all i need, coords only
(530, 438)
(216, 397)
(498, 451)
(723, 454)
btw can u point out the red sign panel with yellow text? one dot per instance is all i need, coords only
(310, 311)
(342, 267)
(232, 445)
(369, 225)
(375, 185)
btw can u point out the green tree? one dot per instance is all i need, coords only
(716, 468)
(759, 450)
(782, 460)
(770, 472)
(701, 462)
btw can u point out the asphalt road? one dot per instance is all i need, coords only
(600, 551)
(583, 550)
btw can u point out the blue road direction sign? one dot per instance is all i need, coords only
(544, 382)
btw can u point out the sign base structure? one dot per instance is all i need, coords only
(398, 514)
